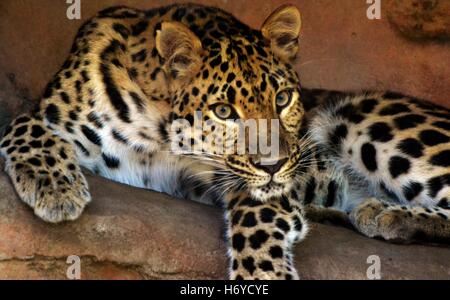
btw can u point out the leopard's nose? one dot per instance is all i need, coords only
(269, 167)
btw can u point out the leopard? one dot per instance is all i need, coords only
(378, 162)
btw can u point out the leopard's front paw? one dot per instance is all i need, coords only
(263, 270)
(62, 199)
(55, 196)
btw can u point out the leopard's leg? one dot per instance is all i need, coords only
(401, 223)
(399, 158)
(261, 235)
(44, 170)
(331, 215)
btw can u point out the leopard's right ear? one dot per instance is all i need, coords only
(282, 29)
(180, 48)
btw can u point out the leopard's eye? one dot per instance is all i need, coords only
(224, 111)
(283, 99)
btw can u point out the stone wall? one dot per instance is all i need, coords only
(340, 47)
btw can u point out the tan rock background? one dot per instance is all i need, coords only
(421, 19)
(131, 233)
(340, 47)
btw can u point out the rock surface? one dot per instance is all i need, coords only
(340, 47)
(130, 233)
(421, 19)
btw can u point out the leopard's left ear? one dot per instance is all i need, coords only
(282, 29)
(180, 48)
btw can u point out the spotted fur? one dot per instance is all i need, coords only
(376, 160)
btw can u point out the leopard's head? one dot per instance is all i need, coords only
(232, 72)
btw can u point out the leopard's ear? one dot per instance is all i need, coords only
(181, 50)
(282, 29)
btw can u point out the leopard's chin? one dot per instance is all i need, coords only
(270, 190)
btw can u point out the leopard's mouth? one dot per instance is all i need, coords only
(270, 190)
(259, 182)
